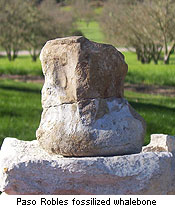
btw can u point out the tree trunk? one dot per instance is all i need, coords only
(33, 53)
(166, 59)
(168, 52)
(15, 54)
(9, 54)
(156, 53)
(34, 58)
(138, 54)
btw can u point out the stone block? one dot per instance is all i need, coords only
(25, 168)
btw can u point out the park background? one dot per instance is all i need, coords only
(144, 30)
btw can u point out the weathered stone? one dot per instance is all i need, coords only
(25, 168)
(160, 143)
(91, 128)
(76, 69)
(83, 110)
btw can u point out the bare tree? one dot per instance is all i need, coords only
(145, 25)
(12, 26)
(35, 33)
(83, 10)
(29, 24)
(47, 21)
(163, 12)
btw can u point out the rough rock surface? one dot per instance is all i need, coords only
(83, 110)
(77, 69)
(99, 127)
(160, 143)
(25, 168)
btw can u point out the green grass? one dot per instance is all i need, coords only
(98, 10)
(150, 74)
(23, 65)
(158, 112)
(20, 109)
(91, 31)
(66, 8)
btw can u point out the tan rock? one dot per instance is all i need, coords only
(76, 68)
(84, 113)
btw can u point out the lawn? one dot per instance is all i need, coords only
(158, 112)
(91, 31)
(150, 74)
(23, 65)
(20, 110)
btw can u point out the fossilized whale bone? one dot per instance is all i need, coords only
(84, 112)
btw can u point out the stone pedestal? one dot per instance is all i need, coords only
(25, 168)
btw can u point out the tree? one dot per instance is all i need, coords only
(59, 23)
(163, 12)
(35, 31)
(146, 25)
(12, 26)
(47, 21)
(83, 10)
(29, 24)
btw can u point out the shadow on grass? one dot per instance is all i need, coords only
(20, 89)
(134, 78)
(12, 113)
(159, 119)
(151, 107)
